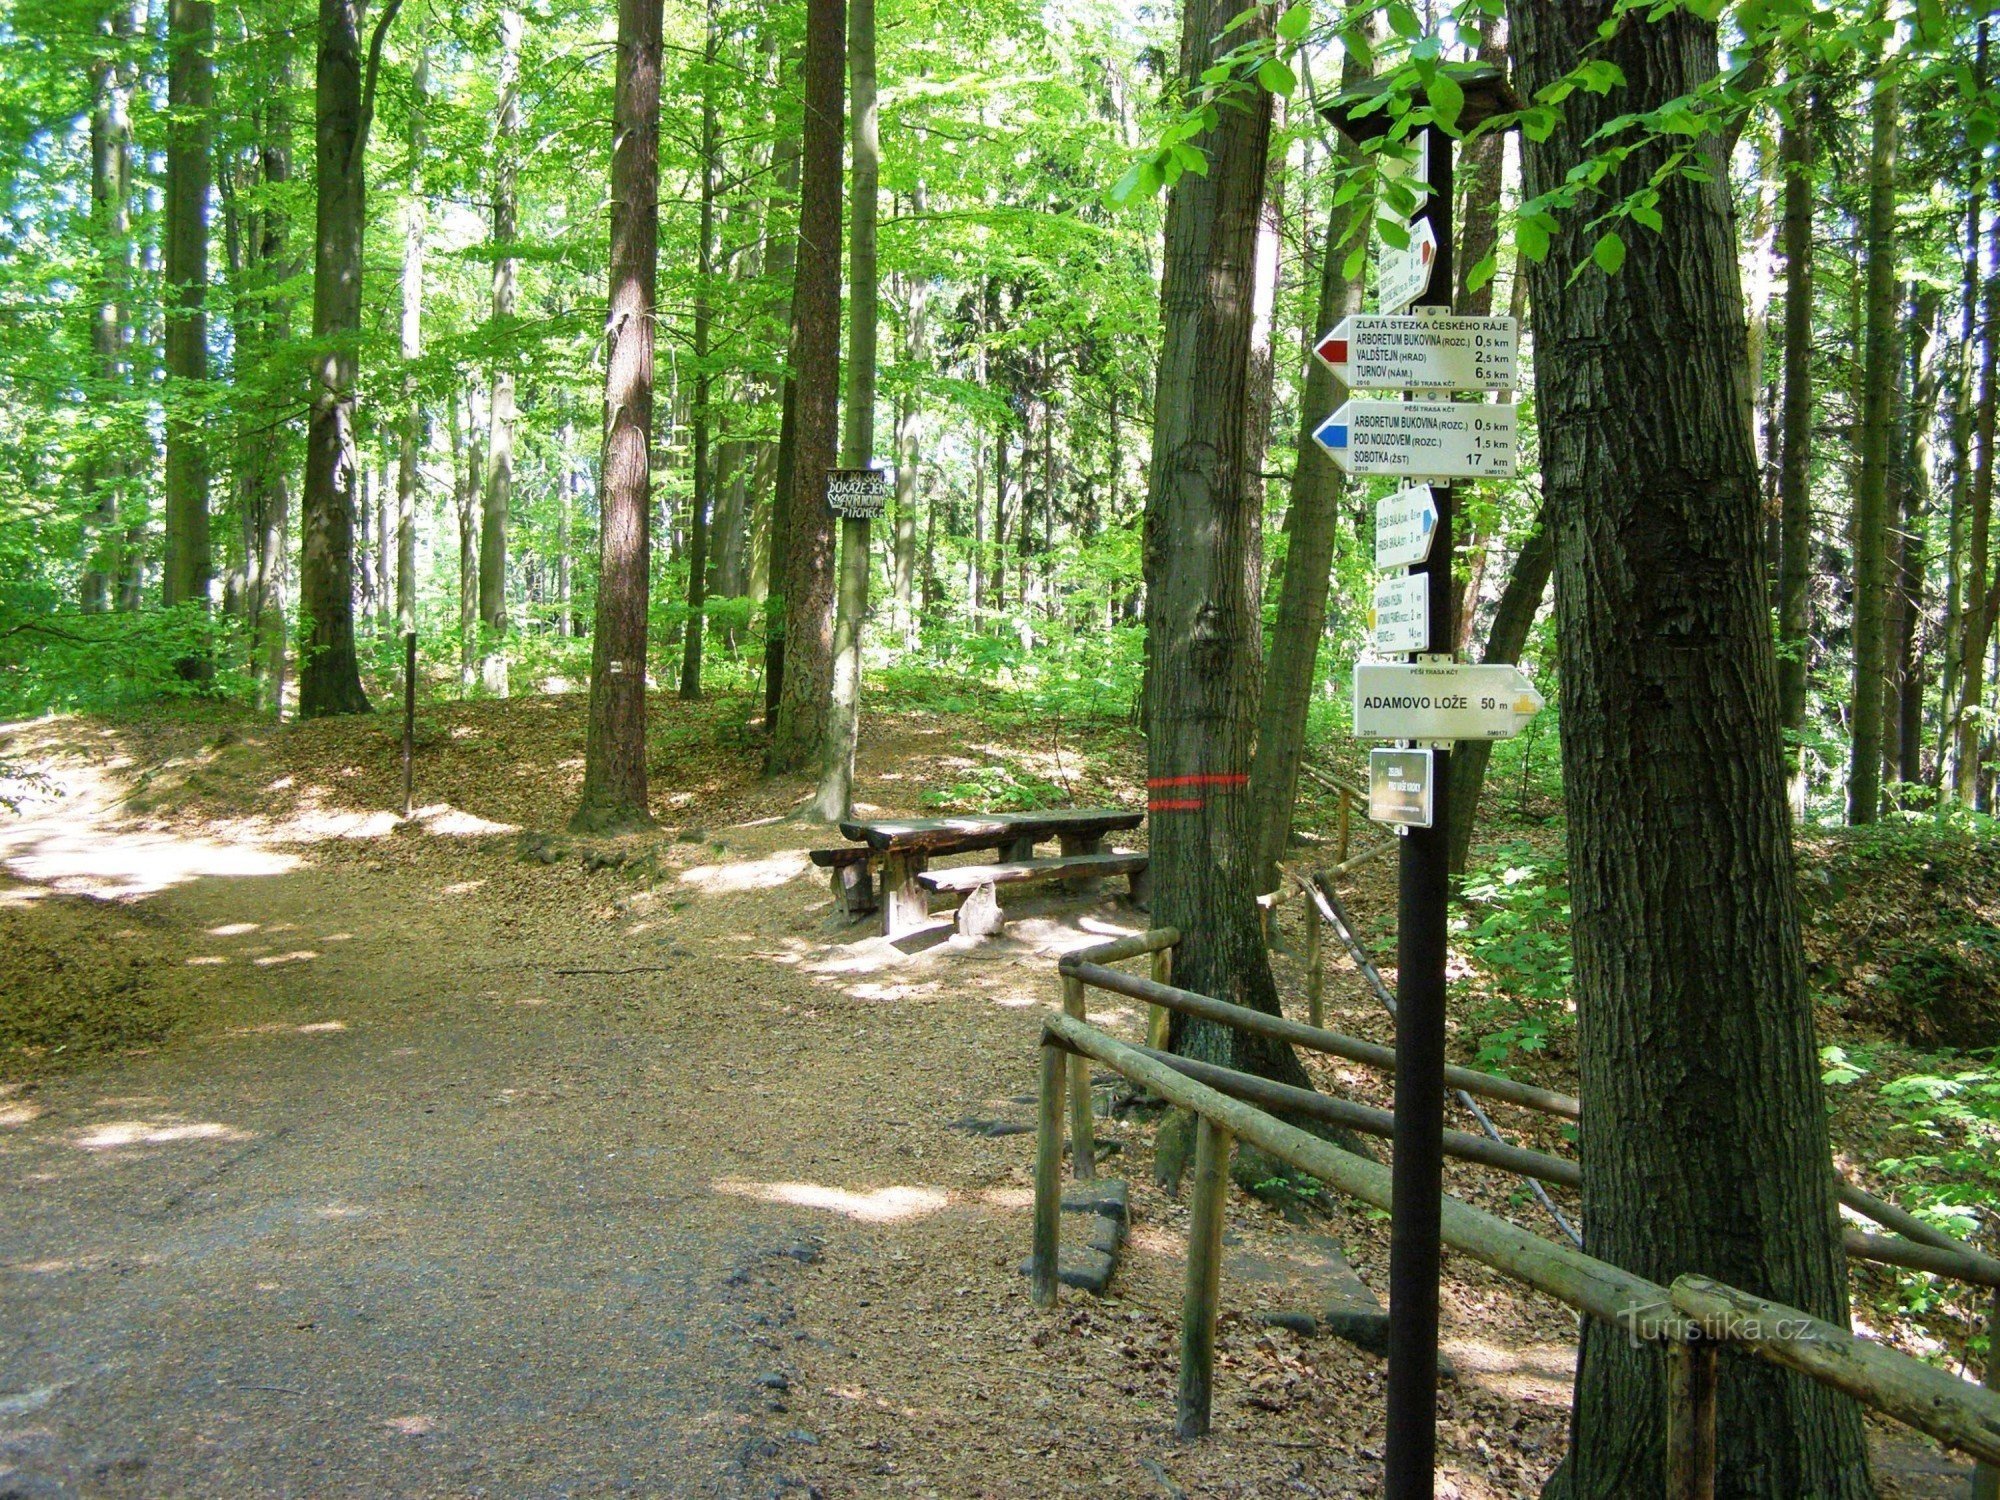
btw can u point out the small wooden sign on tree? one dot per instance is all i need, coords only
(857, 494)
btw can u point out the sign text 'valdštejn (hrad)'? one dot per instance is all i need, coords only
(1415, 353)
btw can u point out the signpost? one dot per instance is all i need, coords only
(1403, 612)
(1404, 275)
(1372, 352)
(1405, 522)
(1442, 701)
(1432, 698)
(1400, 784)
(1433, 439)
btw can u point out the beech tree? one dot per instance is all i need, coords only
(190, 96)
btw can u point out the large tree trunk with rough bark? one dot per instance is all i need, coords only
(614, 778)
(807, 543)
(344, 97)
(1203, 535)
(1706, 1148)
(190, 97)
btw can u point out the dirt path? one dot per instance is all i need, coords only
(482, 1176)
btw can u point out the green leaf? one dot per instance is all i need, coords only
(1193, 158)
(1609, 252)
(1277, 78)
(1395, 234)
(1447, 99)
(1357, 258)
(1126, 187)
(1532, 240)
(1482, 273)
(1293, 24)
(1403, 21)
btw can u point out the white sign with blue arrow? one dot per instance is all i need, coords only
(1405, 522)
(1427, 439)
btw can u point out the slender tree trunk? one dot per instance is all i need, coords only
(500, 420)
(467, 484)
(1708, 1146)
(1795, 441)
(836, 782)
(413, 348)
(1871, 516)
(344, 95)
(732, 493)
(1904, 712)
(785, 167)
(807, 671)
(1203, 535)
(190, 98)
(704, 382)
(614, 777)
(1979, 605)
(1311, 526)
(906, 519)
(111, 211)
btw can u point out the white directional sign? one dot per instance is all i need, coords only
(1405, 522)
(1402, 276)
(1445, 701)
(1414, 353)
(1434, 439)
(1403, 613)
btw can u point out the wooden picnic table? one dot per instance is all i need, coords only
(907, 846)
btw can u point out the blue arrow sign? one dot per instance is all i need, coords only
(1332, 434)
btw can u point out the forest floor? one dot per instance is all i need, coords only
(347, 1155)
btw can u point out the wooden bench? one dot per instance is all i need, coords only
(980, 914)
(902, 848)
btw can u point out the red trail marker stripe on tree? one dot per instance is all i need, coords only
(1176, 804)
(1160, 783)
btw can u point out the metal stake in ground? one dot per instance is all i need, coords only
(409, 713)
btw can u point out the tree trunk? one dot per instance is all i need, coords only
(835, 797)
(1203, 534)
(1978, 606)
(1707, 1146)
(500, 417)
(807, 666)
(785, 165)
(329, 673)
(704, 382)
(1871, 513)
(1906, 713)
(190, 98)
(467, 483)
(413, 348)
(1311, 525)
(106, 467)
(614, 777)
(1795, 517)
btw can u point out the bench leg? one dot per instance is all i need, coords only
(1082, 843)
(906, 905)
(981, 915)
(854, 890)
(1014, 852)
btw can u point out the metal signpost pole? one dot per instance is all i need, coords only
(1422, 892)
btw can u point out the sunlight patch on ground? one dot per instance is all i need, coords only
(763, 874)
(207, 960)
(18, 1112)
(234, 929)
(455, 822)
(312, 1028)
(81, 858)
(1008, 1197)
(296, 956)
(117, 1134)
(462, 888)
(882, 1206)
(414, 1425)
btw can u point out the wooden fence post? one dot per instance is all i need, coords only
(1315, 968)
(1690, 1419)
(1082, 1130)
(1204, 1278)
(1157, 1027)
(1986, 1477)
(1048, 1175)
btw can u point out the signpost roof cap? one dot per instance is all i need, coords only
(1356, 112)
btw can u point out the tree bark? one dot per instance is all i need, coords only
(1203, 535)
(190, 98)
(1707, 1148)
(835, 797)
(807, 671)
(785, 170)
(704, 380)
(344, 98)
(614, 777)
(1906, 712)
(106, 468)
(1795, 441)
(1871, 511)
(466, 483)
(1978, 606)
(499, 498)
(1311, 527)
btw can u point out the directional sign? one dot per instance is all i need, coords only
(1435, 439)
(1402, 276)
(1405, 522)
(1403, 613)
(1444, 701)
(1414, 353)
(1399, 787)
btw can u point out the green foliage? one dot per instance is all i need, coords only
(1515, 932)
(1944, 1119)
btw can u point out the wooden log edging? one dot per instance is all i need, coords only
(1313, 1038)
(1954, 1412)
